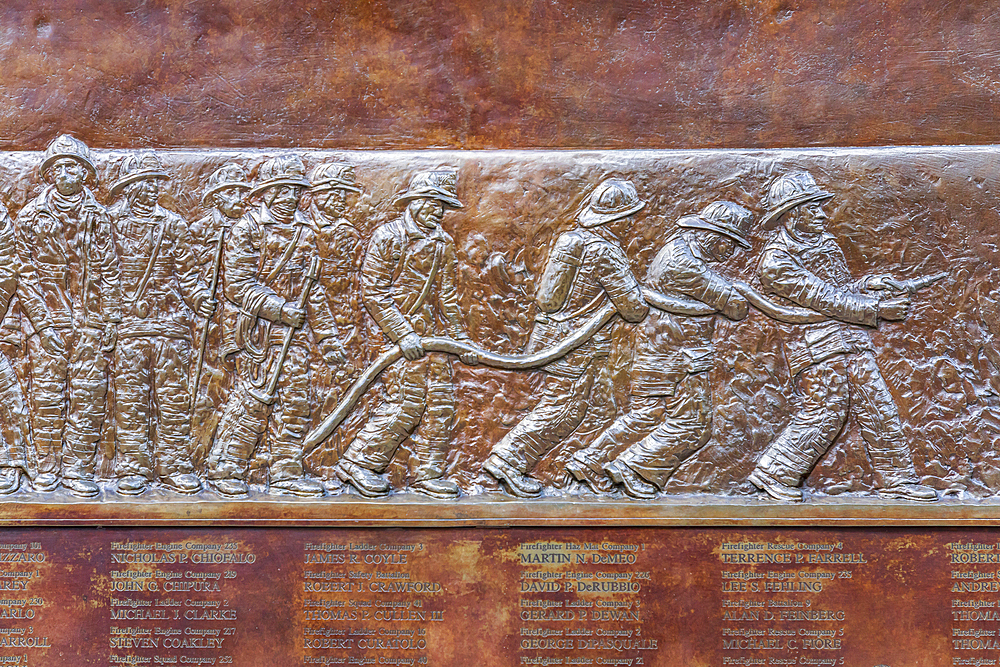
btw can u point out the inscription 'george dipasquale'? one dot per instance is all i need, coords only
(582, 603)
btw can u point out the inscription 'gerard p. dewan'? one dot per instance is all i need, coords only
(789, 325)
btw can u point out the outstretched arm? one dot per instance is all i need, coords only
(781, 274)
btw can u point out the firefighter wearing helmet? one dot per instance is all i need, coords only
(832, 362)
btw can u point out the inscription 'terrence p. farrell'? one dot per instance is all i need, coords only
(776, 607)
(499, 597)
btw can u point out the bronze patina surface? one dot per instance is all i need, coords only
(470, 74)
(667, 328)
(282, 382)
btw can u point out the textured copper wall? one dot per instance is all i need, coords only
(473, 74)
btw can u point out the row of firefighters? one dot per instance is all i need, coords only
(120, 285)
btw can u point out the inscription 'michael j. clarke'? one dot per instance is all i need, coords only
(237, 352)
(558, 596)
(174, 602)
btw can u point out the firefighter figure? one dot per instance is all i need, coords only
(65, 241)
(408, 284)
(586, 268)
(670, 417)
(16, 455)
(161, 286)
(223, 197)
(833, 362)
(273, 276)
(340, 245)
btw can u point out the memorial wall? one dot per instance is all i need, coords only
(536, 333)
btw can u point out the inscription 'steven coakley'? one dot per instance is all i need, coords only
(600, 324)
(173, 602)
(554, 596)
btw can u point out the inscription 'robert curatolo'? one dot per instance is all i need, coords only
(536, 325)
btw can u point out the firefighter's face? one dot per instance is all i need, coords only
(811, 218)
(68, 176)
(334, 202)
(718, 246)
(285, 199)
(230, 202)
(427, 212)
(147, 191)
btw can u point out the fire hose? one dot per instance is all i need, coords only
(457, 348)
(523, 362)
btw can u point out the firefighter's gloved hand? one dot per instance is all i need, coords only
(205, 305)
(52, 342)
(880, 282)
(109, 339)
(411, 346)
(894, 309)
(292, 315)
(469, 358)
(333, 353)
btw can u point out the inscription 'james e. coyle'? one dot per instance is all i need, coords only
(310, 335)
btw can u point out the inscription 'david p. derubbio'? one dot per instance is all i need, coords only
(623, 324)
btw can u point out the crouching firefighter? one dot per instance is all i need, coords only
(586, 268)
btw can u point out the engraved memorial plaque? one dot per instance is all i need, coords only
(554, 596)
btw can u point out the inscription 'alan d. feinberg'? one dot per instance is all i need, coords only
(310, 336)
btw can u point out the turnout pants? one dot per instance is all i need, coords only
(828, 390)
(66, 436)
(13, 421)
(560, 411)
(151, 376)
(662, 431)
(246, 419)
(419, 402)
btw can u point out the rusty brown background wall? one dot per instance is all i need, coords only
(506, 73)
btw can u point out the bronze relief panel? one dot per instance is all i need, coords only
(593, 326)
